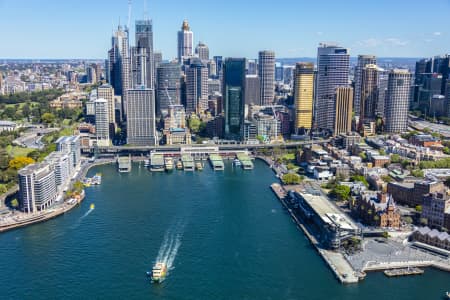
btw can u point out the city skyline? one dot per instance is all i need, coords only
(374, 29)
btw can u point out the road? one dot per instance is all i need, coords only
(420, 124)
(31, 138)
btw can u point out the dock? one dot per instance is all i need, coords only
(216, 162)
(246, 161)
(157, 163)
(188, 162)
(403, 272)
(334, 259)
(124, 164)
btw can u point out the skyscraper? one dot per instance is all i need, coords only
(141, 117)
(219, 63)
(202, 51)
(397, 101)
(234, 97)
(333, 69)
(102, 122)
(144, 40)
(363, 60)
(343, 113)
(106, 92)
(368, 93)
(303, 96)
(382, 85)
(196, 86)
(168, 86)
(266, 73)
(139, 67)
(252, 89)
(252, 67)
(185, 42)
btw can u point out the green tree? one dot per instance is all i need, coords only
(14, 203)
(194, 124)
(78, 186)
(417, 173)
(291, 178)
(359, 178)
(386, 178)
(3, 188)
(48, 118)
(408, 220)
(418, 208)
(395, 158)
(290, 166)
(382, 151)
(423, 221)
(34, 155)
(9, 112)
(363, 156)
(386, 234)
(341, 192)
(20, 162)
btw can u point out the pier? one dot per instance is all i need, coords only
(403, 272)
(124, 164)
(157, 162)
(216, 162)
(188, 162)
(245, 160)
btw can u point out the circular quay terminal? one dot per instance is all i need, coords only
(237, 150)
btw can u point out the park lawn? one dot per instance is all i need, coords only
(16, 151)
(289, 156)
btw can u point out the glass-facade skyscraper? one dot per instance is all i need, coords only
(234, 97)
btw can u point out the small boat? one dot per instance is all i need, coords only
(159, 272)
(237, 162)
(448, 295)
(92, 206)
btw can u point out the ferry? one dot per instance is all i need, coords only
(168, 162)
(92, 206)
(237, 162)
(199, 166)
(159, 272)
(179, 165)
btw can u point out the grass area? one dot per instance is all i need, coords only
(15, 151)
(289, 156)
(21, 105)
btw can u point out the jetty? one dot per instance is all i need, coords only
(216, 162)
(246, 161)
(188, 162)
(403, 272)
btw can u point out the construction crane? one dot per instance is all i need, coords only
(129, 14)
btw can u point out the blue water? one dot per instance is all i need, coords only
(225, 235)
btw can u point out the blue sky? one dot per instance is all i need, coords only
(292, 28)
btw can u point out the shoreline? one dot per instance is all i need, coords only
(59, 209)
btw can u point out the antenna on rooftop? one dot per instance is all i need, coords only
(145, 10)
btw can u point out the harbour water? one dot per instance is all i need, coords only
(223, 234)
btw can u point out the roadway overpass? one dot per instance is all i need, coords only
(145, 150)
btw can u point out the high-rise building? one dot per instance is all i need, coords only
(202, 51)
(91, 74)
(141, 117)
(102, 122)
(219, 63)
(252, 67)
(397, 101)
(363, 61)
(144, 40)
(441, 65)
(168, 87)
(196, 86)
(1, 84)
(368, 96)
(343, 113)
(332, 72)
(252, 89)
(212, 68)
(279, 72)
(266, 73)
(139, 66)
(60, 163)
(422, 66)
(118, 65)
(234, 97)
(303, 96)
(106, 92)
(37, 187)
(382, 85)
(185, 42)
(71, 145)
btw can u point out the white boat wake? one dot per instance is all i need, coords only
(171, 243)
(78, 222)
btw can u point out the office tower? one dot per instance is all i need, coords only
(252, 67)
(141, 117)
(157, 58)
(397, 101)
(368, 96)
(382, 85)
(288, 74)
(422, 66)
(219, 63)
(447, 97)
(344, 109)
(212, 69)
(144, 40)
(332, 72)
(196, 86)
(168, 87)
(91, 74)
(214, 86)
(266, 73)
(278, 72)
(202, 51)
(119, 65)
(71, 145)
(1, 84)
(303, 96)
(185, 42)
(441, 65)
(234, 97)
(363, 60)
(106, 92)
(60, 163)
(37, 187)
(139, 67)
(102, 122)
(252, 89)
